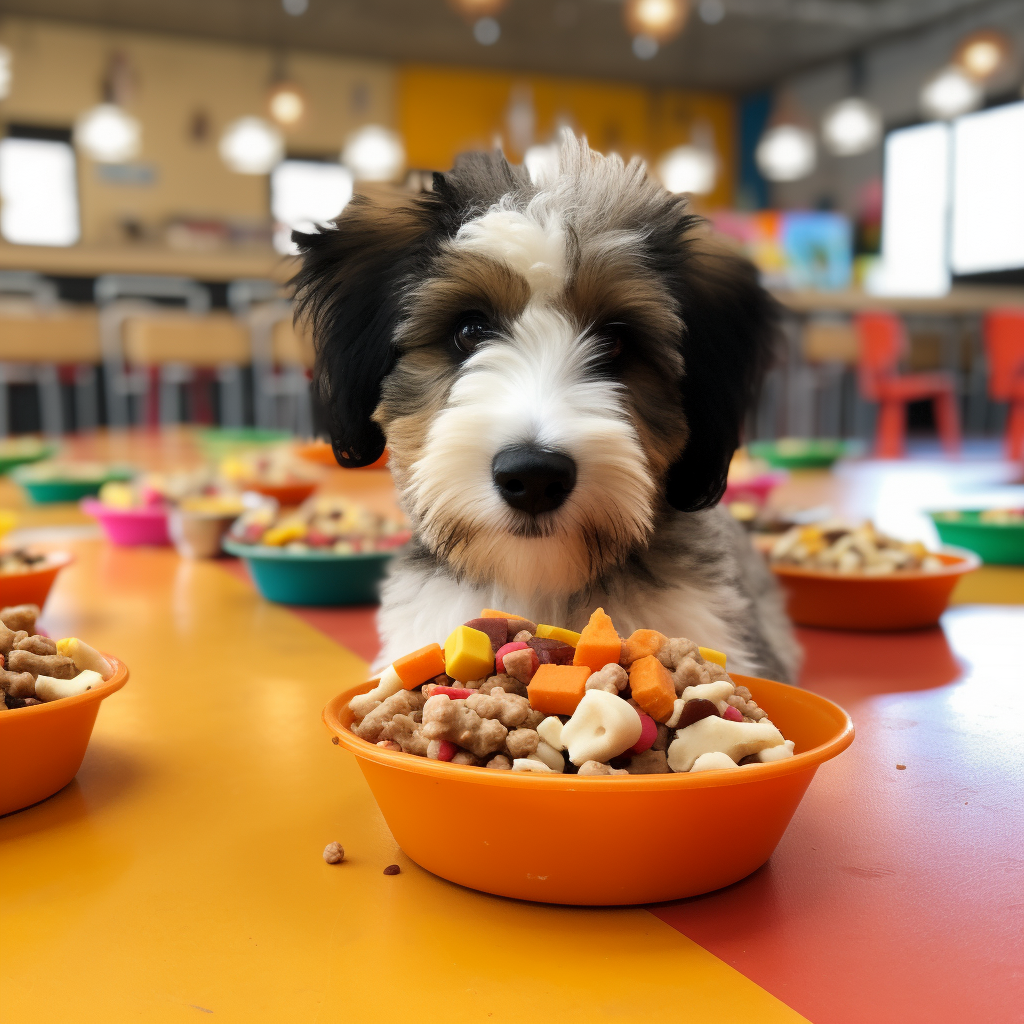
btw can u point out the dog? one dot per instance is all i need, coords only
(560, 369)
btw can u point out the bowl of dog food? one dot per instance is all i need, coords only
(842, 576)
(804, 452)
(996, 535)
(276, 472)
(52, 691)
(329, 551)
(19, 451)
(26, 575)
(130, 514)
(534, 762)
(47, 482)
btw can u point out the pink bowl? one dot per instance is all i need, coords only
(755, 490)
(130, 527)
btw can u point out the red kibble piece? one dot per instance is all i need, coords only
(392, 869)
(551, 652)
(318, 539)
(496, 629)
(447, 750)
(696, 709)
(733, 714)
(499, 657)
(648, 734)
(455, 692)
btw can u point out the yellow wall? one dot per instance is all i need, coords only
(57, 73)
(445, 111)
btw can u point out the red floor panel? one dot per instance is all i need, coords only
(896, 896)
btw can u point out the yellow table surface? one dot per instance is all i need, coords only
(181, 873)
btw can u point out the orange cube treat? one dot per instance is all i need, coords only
(513, 620)
(599, 644)
(557, 689)
(642, 642)
(420, 666)
(652, 687)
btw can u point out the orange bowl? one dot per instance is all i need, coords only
(32, 587)
(905, 600)
(598, 840)
(41, 747)
(322, 454)
(284, 494)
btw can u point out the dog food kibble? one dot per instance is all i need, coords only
(36, 670)
(468, 654)
(558, 689)
(334, 853)
(420, 667)
(508, 695)
(392, 869)
(598, 644)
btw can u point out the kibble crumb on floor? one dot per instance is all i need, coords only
(392, 869)
(901, 767)
(334, 853)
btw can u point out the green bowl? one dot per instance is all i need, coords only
(804, 452)
(10, 457)
(216, 442)
(996, 543)
(58, 488)
(313, 577)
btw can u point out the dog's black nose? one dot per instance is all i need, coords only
(532, 479)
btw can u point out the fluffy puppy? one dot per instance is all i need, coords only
(560, 369)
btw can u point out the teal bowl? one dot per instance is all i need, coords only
(14, 455)
(995, 543)
(313, 577)
(804, 452)
(218, 442)
(46, 490)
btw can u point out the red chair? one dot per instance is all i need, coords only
(1004, 345)
(882, 342)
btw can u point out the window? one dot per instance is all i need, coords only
(988, 191)
(303, 194)
(915, 211)
(38, 190)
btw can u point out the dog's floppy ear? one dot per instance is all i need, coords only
(731, 329)
(349, 290)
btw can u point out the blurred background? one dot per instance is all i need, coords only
(867, 154)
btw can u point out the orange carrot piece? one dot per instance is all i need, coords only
(599, 643)
(557, 689)
(491, 613)
(642, 642)
(652, 687)
(420, 666)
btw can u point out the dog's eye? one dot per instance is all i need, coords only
(470, 331)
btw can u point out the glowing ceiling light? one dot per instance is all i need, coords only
(658, 19)
(949, 94)
(982, 54)
(688, 169)
(851, 126)
(486, 31)
(287, 104)
(644, 47)
(374, 154)
(251, 145)
(5, 72)
(786, 152)
(108, 134)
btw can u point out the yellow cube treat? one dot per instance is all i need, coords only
(278, 536)
(468, 654)
(567, 636)
(710, 654)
